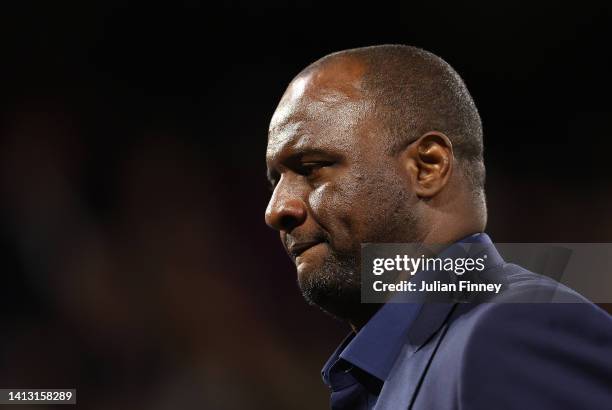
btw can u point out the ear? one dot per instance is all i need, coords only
(429, 162)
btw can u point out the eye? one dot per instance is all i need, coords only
(311, 168)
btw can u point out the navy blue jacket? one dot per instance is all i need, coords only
(498, 355)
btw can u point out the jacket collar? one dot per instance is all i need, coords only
(377, 345)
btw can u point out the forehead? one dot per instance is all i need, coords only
(318, 126)
(323, 108)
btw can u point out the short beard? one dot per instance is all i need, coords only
(335, 287)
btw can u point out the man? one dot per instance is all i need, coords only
(384, 145)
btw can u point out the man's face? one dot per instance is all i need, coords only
(335, 186)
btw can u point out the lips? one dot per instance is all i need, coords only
(297, 249)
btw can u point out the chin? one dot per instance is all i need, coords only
(333, 287)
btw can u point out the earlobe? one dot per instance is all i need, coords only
(429, 161)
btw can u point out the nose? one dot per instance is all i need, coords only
(285, 210)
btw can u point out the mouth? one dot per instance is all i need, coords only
(299, 248)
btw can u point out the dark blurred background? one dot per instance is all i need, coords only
(136, 265)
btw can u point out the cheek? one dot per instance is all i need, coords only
(376, 208)
(355, 209)
(331, 201)
(333, 207)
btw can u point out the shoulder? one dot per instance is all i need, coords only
(522, 285)
(529, 353)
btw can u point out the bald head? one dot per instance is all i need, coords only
(329, 82)
(409, 92)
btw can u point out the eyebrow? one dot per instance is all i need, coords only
(296, 155)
